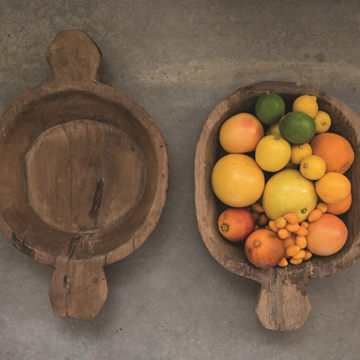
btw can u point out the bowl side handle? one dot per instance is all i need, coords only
(78, 288)
(283, 302)
(74, 57)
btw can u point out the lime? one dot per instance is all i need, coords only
(272, 153)
(297, 127)
(288, 191)
(269, 108)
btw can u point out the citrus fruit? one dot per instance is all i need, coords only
(335, 150)
(237, 180)
(264, 249)
(291, 165)
(297, 127)
(272, 153)
(274, 130)
(306, 104)
(322, 122)
(298, 152)
(327, 235)
(333, 188)
(269, 108)
(340, 208)
(236, 224)
(241, 133)
(288, 191)
(312, 167)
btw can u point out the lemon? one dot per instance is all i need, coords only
(237, 180)
(298, 152)
(312, 167)
(322, 122)
(306, 104)
(272, 153)
(288, 191)
(297, 127)
(269, 108)
(274, 130)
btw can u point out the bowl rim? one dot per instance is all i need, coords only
(105, 93)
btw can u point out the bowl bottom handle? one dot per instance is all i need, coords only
(283, 302)
(78, 288)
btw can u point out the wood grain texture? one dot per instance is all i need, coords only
(84, 178)
(277, 284)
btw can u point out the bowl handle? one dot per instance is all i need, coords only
(73, 56)
(283, 302)
(78, 288)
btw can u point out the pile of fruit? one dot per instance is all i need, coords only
(284, 188)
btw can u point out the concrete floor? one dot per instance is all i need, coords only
(178, 59)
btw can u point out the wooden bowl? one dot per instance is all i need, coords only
(84, 175)
(283, 302)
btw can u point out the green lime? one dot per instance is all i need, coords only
(297, 127)
(269, 108)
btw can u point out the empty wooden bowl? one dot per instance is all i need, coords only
(84, 175)
(283, 302)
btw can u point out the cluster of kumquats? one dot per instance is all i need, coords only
(284, 178)
(288, 229)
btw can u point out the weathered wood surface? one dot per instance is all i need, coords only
(84, 175)
(282, 290)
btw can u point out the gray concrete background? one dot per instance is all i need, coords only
(178, 59)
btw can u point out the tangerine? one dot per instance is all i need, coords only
(264, 249)
(340, 208)
(333, 188)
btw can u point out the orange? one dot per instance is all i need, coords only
(340, 208)
(333, 188)
(327, 235)
(264, 249)
(241, 133)
(335, 150)
(237, 180)
(236, 224)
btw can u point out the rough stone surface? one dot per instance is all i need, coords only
(179, 59)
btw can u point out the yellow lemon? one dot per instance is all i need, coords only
(312, 167)
(288, 191)
(322, 122)
(274, 130)
(298, 152)
(306, 104)
(272, 153)
(237, 180)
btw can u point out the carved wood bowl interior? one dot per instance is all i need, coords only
(84, 175)
(283, 289)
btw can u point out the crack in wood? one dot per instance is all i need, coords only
(20, 244)
(94, 211)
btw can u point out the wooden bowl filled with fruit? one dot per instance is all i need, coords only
(277, 194)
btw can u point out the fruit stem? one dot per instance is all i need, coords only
(224, 227)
